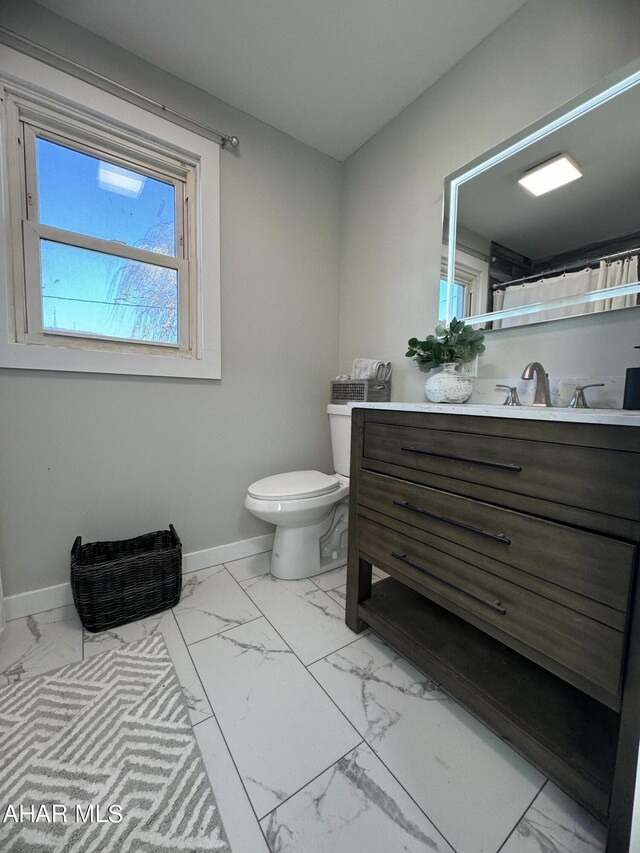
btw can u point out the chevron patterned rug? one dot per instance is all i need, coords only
(100, 757)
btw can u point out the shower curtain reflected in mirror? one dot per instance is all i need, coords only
(622, 271)
(607, 275)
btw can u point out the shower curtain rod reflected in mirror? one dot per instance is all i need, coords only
(573, 267)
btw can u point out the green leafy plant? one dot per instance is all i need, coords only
(457, 342)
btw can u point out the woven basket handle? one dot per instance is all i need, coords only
(76, 547)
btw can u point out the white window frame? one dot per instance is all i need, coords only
(472, 272)
(90, 119)
(27, 123)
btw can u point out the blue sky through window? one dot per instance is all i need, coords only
(78, 295)
(457, 301)
(94, 292)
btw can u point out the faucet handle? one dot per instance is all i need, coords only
(512, 396)
(579, 401)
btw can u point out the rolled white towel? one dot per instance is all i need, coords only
(384, 370)
(364, 368)
(370, 368)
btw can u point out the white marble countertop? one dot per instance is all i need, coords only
(620, 417)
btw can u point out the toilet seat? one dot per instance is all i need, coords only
(294, 486)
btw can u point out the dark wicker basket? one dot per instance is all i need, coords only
(118, 582)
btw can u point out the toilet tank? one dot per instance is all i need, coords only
(340, 425)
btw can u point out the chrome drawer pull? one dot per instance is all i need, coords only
(494, 605)
(498, 537)
(504, 466)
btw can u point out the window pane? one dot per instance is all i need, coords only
(99, 294)
(77, 192)
(457, 301)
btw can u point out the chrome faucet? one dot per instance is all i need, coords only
(542, 395)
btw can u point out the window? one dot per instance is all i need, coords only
(103, 230)
(105, 253)
(469, 290)
(460, 294)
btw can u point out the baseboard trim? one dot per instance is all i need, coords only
(37, 600)
(50, 597)
(226, 553)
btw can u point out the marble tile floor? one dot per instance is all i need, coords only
(317, 739)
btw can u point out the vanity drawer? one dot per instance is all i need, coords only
(587, 477)
(582, 650)
(586, 563)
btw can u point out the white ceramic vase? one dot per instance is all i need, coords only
(448, 386)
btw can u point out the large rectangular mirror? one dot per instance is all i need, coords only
(518, 252)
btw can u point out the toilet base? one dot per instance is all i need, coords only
(303, 552)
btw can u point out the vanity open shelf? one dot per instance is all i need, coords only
(512, 550)
(547, 719)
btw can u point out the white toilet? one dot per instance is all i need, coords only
(309, 509)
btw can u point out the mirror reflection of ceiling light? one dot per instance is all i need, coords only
(119, 180)
(550, 175)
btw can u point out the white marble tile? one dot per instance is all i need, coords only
(310, 621)
(556, 824)
(36, 644)
(339, 595)
(331, 580)
(250, 567)
(356, 805)
(470, 783)
(338, 577)
(281, 728)
(199, 708)
(240, 823)
(211, 602)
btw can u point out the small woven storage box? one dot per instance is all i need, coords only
(117, 582)
(362, 390)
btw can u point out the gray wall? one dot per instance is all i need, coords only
(546, 54)
(110, 456)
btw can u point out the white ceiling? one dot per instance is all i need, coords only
(328, 72)
(602, 205)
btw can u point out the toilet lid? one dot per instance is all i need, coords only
(295, 484)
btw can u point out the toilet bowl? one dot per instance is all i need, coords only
(309, 509)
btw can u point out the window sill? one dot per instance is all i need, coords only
(42, 357)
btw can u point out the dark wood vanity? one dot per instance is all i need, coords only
(512, 550)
